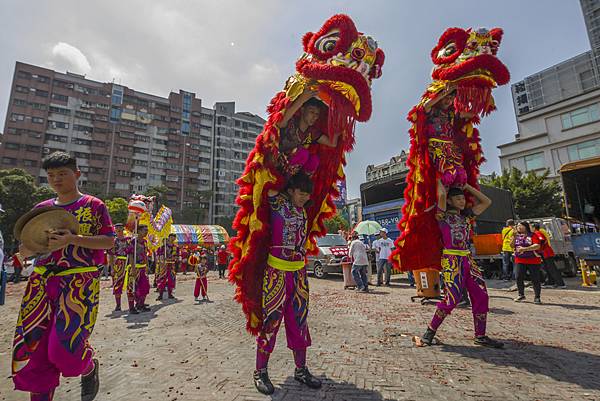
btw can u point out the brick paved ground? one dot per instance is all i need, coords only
(362, 348)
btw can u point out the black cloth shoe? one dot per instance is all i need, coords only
(118, 308)
(485, 341)
(304, 376)
(159, 298)
(428, 337)
(133, 311)
(90, 384)
(171, 296)
(262, 382)
(143, 309)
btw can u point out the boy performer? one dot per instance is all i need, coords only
(201, 270)
(138, 285)
(60, 305)
(458, 267)
(118, 262)
(167, 276)
(285, 284)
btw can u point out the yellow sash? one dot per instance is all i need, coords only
(83, 269)
(457, 252)
(285, 265)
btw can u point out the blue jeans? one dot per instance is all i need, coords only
(359, 272)
(508, 266)
(411, 278)
(381, 265)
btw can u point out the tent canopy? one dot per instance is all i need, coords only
(200, 235)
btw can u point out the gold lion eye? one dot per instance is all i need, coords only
(449, 50)
(327, 43)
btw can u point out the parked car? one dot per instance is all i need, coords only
(332, 249)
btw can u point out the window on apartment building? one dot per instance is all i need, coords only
(142, 163)
(82, 155)
(123, 173)
(56, 138)
(37, 120)
(20, 103)
(584, 150)
(9, 160)
(38, 106)
(24, 74)
(59, 97)
(115, 114)
(117, 95)
(43, 78)
(21, 89)
(29, 163)
(83, 128)
(142, 138)
(57, 124)
(121, 186)
(17, 117)
(126, 148)
(78, 141)
(581, 116)
(59, 110)
(41, 93)
(126, 135)
(535, 161)
(84, 115)
(12, 146)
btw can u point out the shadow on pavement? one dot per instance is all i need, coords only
(573, 307)
(141, 320)
(560, 364)
(291, 390)
(500, 311)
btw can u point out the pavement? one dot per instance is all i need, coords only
(362, 348)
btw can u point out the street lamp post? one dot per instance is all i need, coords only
(183, 176)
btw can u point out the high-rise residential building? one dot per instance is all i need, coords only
(235, 134)
(396, 165)
(558, 109)
(127, 141)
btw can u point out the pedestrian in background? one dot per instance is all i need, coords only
(553, 277)
(508, 236)
(527, 246)
(360, 261)
(222, 259)
(384, 247)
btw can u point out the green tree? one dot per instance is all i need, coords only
(336, 223)
(18, 194)
(227, 223)
(534, 195)
(160, 192)
(117, 207)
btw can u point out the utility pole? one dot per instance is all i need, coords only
(183, 176)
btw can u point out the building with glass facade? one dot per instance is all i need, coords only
(558, 109)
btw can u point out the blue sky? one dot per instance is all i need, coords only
(244, 51)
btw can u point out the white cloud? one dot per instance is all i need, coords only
(70, 58)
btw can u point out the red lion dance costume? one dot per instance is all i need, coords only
(466, 61)
(339, 63)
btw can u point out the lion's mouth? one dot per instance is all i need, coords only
(341, 78)
(485, 68)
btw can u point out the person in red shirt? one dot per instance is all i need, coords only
(527, 257)
(18, 266)
(553, 277)
(222, 258)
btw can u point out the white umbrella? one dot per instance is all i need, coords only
(368, 227)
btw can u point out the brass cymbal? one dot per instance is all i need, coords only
(37, 225)
(28, 216)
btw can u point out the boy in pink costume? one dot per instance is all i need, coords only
(60, 304)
